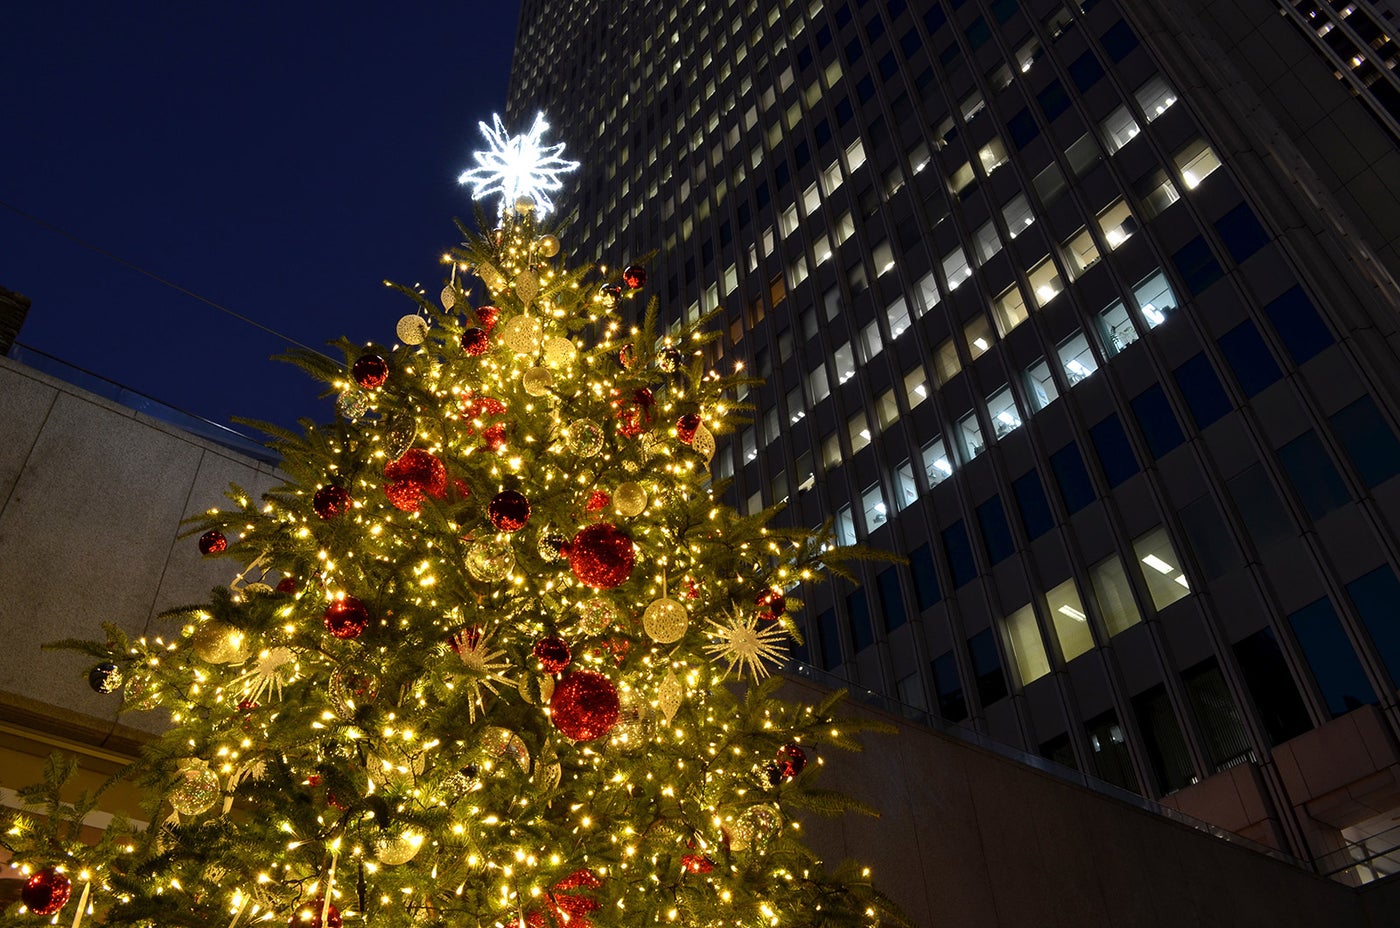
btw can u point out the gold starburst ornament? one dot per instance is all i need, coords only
(741, 643)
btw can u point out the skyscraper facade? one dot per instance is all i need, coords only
(1089, 311)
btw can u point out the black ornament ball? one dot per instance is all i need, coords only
(509, 511)
(212, 542)
(46, 891)
(331, 501)
(634, 276)
(370, 371)
(346, 618)
(105, 678)
(790, 760)
(610, 293)
(475, 341)
(670, 360)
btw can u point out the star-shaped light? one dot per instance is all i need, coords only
(484, 665)
(516, 166)
(741, 643)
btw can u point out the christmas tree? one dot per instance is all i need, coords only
(495, 653)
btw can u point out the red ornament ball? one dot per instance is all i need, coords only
(494, 436)
(634, 276)
(308, 915)
(487, 316)
(475, 341)
(287, 585)
(584, 706)
(552, 653)
(686, 427)
(346, 618)
(771, 604)
(626, 356)
(597, 501)
(602, 556)
(331, 501)
(412, 475)
(212, 542)
(370, 371)
(481, 407)
(696, 863)
(790, 760)
(509, 511)
(46, 891)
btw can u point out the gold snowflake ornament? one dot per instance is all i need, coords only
(485, 667)
(739, 641)
(274, 668)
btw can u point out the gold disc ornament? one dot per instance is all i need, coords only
(411, 330)
(523, 334)
(559, 351)
(629, 499)
(537, 381)
(549, 245)
(665, 620)
(220, 643)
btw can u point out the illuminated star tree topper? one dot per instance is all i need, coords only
(516, 166)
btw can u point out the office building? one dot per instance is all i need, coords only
(1088, 310)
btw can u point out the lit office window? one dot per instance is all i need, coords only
(1027, 648)
(1161, 566)
(811, 200)
(960, 178)
(871, 342)
(1196, 162)
(817, 385)
(806, 473)
(750, 445)
(794, 405)
(831, 178)
(778, 487)
(788, 221)
(1077, 358)
(845, 227)
(971, 105)
(831, 451)
(855, 155)
(886, 409)
(1116, 328)
(945, 361)
(906, 491)
(1070, 622)
(1082, 251)
(970, 433)
(978, 334)
(1119, 128)
(1010, 309)
(897, 316)
(956, 268)
(992, 155)
(1001, 409)
(937, 466)
(872, 502)
(986, 242)
(915, 387)
(1155, 97)
(1045, 281)
(1040, 385)
(845, 361)
(1155, 298)
(858, 430)
(1157, 192)
(1048, 184)
(1117, 223)
(845, 526)
(1110, 747)
(1114, 595)
(928, 292)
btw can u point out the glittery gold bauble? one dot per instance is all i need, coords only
(584, 437)
(537, 381)
(549, 245)
(502, 742)
(527, 286)
(559, 351)
(490, 560)
(219, 643)
(392, 850)
(629, 499)
(448, 297)
(523, 334)
(704, 442)
(493, 278)
(636, 727)
(196, 790)
(411, 330)
(754, 827)
(665, 620)
(547, 776)
(599, 614)
(669, 695)
(524, 204)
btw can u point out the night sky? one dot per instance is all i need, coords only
(281, 159)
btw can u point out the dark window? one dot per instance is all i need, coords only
(1053, 100)
(744, 217)
(1376, 597)
(1204, 395)
(858, 608)
(952, 705)
(801, 155)
(1166, 749)
(1085, 71)
(843, 16)
(1210, 539)
(978, 32)
(1312, 474)
(1115, 454)
(830, 639)
(925, 79)
(1154, 416)
(1022, 128)
(1264, 515)
(1241, 232)
(1227, 743)
(895, 7)
(782, 174)
(1334, 664)
(911, 43)
(1249, 358)
(1059, 750)
(935, 18)
(1295, 318)
(822, 132)
(1073, 479)
(891, 599)
(726, 233)
(1119, 40)
(996, 533)
(986, 664)
(888, 66)
(959, 551)
(948, 54)
(824, 37)
(874, 27)
(1005, 9)
(804, 58)
(925, 576)
(865, 89)
(1370, 443)
(707, 251)
(1197, 265)
(802, 651)
(762, 195)
(844, 112)
(1110, 748)
(1035, 509)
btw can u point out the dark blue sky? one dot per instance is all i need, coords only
(279, 158)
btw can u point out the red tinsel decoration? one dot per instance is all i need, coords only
(488, 315)
(602, 556)
(584, 706)
(686, 427)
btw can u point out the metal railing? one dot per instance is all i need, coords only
(1371, 858)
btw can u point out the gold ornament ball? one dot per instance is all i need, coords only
(559, 351)
(524, 205)
(599, 615)
(196, 791)
(392, 850)
(502, 742)
(629, 499)
(536, 689)
(490, 560)
(413, 329)
(218, 643)
(537, 381)
(585, 437)
(549, 245)
(754, 827)
(665, 620)
(523, 334)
